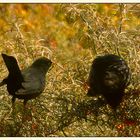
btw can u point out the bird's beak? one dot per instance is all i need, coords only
(53, 63)
(57, 64)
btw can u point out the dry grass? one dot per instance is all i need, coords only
(63, 109)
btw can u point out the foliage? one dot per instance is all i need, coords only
(71, 35)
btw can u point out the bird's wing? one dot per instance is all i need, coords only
(32, 84)
(29, 89)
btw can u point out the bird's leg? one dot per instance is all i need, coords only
(13, 104)
(24, 103)
(24, 111)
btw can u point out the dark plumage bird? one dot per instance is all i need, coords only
(28, 83)
(109, 76)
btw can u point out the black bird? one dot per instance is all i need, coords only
(109, 76)
(28, 83)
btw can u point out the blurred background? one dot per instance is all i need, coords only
(71, 35)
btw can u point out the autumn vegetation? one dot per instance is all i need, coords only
(71, 35)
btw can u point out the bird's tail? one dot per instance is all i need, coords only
(12, 66)
(11, 63)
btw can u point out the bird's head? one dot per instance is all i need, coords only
(42, 63)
